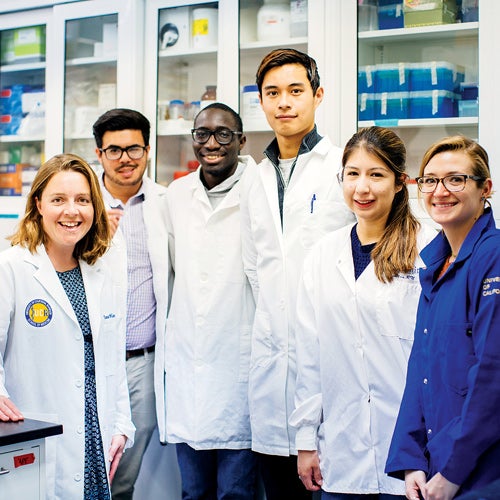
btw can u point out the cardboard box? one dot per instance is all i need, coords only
(29, 44)
(11, 183)
(428, 13)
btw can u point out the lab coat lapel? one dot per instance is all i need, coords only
(46, 275)
(345, 264)
(93, 280)
(268, 176)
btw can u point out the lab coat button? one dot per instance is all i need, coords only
(282, 304)
(203, 277)
(79, 429)
(77, 477)
(425, 331)
(429, 431)
(425, 381)
(78, 383)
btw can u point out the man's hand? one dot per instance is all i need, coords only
(116, 450)
(308, 468)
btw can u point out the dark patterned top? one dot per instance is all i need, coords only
(95, 476)
(361, 254)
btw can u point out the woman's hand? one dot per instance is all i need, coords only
(116, 450)
(439, 488)
(9, 411)
(414, 483)
(308, 468)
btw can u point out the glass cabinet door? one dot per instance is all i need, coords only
(22, 104)
(90, 78)
(185, 38)
(418, 70)
(265, 26)
(99, 54)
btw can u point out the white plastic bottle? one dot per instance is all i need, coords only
(273, 21)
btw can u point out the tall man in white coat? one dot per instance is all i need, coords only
(210, 317)
(288, 203)
(139, 261)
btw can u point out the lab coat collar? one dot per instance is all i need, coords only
(309, 142)
(93, 279)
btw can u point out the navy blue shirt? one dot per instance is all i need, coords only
(449, 421)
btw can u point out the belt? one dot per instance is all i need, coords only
(139, 352)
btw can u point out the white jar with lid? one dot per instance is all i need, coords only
(273, 21)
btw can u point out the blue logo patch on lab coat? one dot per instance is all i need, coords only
(38, 313)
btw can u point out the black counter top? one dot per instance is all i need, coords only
(27, 430)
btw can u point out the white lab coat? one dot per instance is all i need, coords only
(154, 213)
(210, 320)
(42, 367)
(273, 260)
(353, 343)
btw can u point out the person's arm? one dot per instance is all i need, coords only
(116, 451)
(308, 397)
(248, 248)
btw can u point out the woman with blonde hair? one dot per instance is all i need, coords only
(356, 306)
(447, 437)
(62, 341)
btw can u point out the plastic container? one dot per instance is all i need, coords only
(366, 106)
(209, 96)
(367, 15)
(366, 79)
(174, 32)
(176, 109)
(469, 91)
(392, 77)
(392, 105)
(298, 18)
(433, 104)
(436, 75)
(204, 28)
(390, 16)
(468, 108)
(470, 11)
(252, 115)
(273, 21)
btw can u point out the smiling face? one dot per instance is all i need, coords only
(66, 209)
(218, 161)
(123, 175)
(454, 211)
(288, 101)
(369, 188)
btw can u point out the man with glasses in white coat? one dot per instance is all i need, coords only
(139, 261)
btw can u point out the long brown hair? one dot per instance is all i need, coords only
(396, 250)
(30, 233)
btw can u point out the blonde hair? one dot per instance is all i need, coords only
(396, 251)
(461, 144)
(30, 233)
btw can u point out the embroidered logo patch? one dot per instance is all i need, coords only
(38, 313)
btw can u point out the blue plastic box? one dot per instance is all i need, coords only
(469, 91)
(432, 104)
(436, 75)
(390, 16)
(366, 79)
(366, 106)
(468, 108)
(392, 77)
(392, 105)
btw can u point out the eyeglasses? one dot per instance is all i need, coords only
(222, 135)
(452, 183)
(116, 152)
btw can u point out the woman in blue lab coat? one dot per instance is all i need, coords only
(447, 437)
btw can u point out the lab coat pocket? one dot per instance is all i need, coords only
(262, 344)
(396, 307)
(318, 218)
(245, 349)
(457, 356)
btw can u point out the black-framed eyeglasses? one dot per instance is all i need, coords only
(134, 152)
(222, 135)
(452, 182)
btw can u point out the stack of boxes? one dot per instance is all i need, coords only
(409, 90)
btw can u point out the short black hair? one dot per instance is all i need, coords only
(227, 109)
(121, 119)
